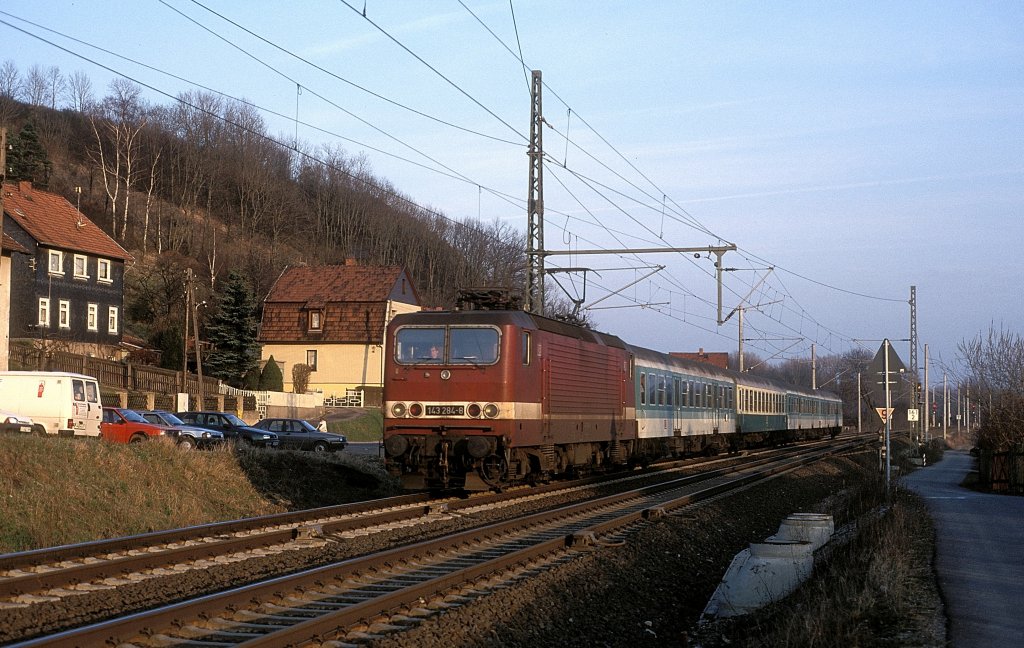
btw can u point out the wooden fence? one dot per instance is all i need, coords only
(111, 374)
(1002, 472)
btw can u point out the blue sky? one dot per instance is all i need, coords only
(857, 148)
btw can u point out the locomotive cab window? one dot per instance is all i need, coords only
(420, 345)
(473, 345)
(526, 348)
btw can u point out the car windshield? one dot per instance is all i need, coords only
(234, 420)
(307, 426)
(133, 416)
(166, 417)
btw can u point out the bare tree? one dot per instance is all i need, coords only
(118, 142)
(55, 85)
(996, 365)
(78, 92)
(35, 86)
(10, 92)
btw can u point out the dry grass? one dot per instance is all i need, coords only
(61, 491)
(877, 590)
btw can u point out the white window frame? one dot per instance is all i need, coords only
(112, 323)
(93, 317)
(64, 314)
(316, 320)
(58, 256)
(84, 274)
(43, 315)
(104, 271)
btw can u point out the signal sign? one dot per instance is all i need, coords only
(884, 413)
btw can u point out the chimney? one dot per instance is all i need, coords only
(351, 261)
(25, 186)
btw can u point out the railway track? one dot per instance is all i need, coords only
(386, 591)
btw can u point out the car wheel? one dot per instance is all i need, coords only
(186, 443)
(38, 430)
(320, 446)
(137, 438)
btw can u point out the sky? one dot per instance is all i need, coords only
(849, 150)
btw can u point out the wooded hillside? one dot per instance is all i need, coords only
(200, 183)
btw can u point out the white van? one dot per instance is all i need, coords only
(66, 404)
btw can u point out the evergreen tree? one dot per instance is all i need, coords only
(27, 159)
(232, 334)
(271, 379)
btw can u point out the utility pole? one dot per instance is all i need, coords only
(741, 338)
(927, 411)
(535, 204)
(915, 398)
(814, 368)
(945, 406)
(888, 419)
(860, 430)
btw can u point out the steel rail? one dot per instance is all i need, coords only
(292, 629)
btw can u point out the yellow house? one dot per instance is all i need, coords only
(333, 319)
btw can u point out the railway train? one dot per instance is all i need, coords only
(483, 399)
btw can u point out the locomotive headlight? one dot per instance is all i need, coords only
(415, 409)
(473, 410)
(398, 410)
(491, 410)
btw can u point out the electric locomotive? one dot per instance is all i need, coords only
(477, 400)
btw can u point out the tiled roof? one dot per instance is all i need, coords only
(346, 323)
(11, 245)
(54, 222)
(335, 283)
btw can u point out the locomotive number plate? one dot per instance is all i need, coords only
(446, 410)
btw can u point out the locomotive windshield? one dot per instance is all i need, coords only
(420, 345)
(473, 346)
(462, 345)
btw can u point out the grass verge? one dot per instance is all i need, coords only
(60, 491)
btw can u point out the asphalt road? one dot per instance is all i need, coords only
(980, 555)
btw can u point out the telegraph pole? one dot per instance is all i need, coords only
(535, 204)
(927, 412)
(814, 368)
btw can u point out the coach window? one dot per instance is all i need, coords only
(652, 390)
(526, 348)
(473, 345)
(643, 388)
(661, 390)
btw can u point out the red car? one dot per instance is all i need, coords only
(126, 426)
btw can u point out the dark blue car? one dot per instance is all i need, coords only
(234, 428)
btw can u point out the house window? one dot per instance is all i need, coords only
(311, 359)
(315, 320)
(112, 320)
(64, 314)
(56, 263)
(44, 312)
(81, 266)
(93, 318)
(103, 271)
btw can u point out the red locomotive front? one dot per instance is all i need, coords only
(483, 399)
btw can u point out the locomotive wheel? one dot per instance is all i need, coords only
(494, 470)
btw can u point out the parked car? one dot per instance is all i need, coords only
(187, 436)
(11, 422)
(298, 434)
(233, 428)
(126, 426)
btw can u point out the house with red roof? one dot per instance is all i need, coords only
(67, 292)
(8, 247)
(333, 318)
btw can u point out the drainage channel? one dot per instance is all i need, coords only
(323, 602)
